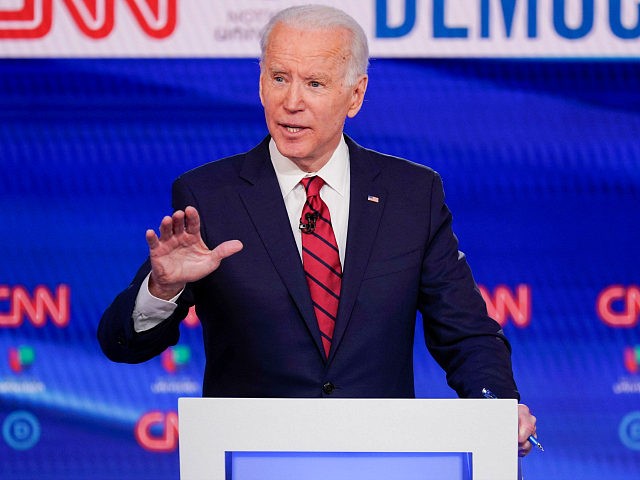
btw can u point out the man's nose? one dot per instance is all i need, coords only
(294, 97)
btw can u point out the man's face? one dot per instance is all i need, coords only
(304, 94)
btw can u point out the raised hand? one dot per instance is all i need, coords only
(180, 255)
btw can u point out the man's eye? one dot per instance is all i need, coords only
(315, 84)
(278, 79)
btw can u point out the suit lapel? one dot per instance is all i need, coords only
(364, 218)
(263, 200)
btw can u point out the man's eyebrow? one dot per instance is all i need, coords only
(320, 76)
(276, 69)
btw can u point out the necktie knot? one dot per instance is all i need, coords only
(312, 185)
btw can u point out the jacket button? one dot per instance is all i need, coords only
(328, 388)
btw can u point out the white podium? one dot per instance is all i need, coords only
(305, 439)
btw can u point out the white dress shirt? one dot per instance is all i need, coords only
(150, 311)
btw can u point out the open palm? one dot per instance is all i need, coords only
(180, 255)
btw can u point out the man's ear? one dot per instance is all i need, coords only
(260, 89)
(357, 95)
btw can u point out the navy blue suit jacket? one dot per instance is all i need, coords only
(260, 333)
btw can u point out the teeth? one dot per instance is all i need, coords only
(293, 129)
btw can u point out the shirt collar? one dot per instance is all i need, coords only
(335, 172)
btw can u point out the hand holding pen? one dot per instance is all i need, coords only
(534, 441)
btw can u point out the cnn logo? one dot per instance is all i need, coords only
(619, 306)
(157, 432)
(504, 303)
(37, 307)
(24, 19)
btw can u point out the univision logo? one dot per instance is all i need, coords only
(175, 358)
(632, 359)
(21, 358)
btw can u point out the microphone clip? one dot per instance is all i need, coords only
(310, 226)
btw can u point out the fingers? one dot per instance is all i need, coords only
(526, 423)
(177, 224)
(524, 449)
(228, 248)
(152, 239)
(188, 221)
(192, 221)
(526, 427)
(166, 228)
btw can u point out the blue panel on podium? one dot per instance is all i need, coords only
(348, 465)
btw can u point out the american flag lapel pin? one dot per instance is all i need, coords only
(372, 198)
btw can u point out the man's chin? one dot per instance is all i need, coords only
(293, 150)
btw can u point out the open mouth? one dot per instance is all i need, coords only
(292, 128)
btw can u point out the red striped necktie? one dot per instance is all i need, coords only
(320, 259)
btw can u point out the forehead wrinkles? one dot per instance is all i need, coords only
(308, 50)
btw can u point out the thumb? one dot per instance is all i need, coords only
(228, 248)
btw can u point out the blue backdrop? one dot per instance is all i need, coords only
(541, 164)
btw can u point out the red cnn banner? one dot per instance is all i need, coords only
(37, 308)
(619, 306)
(94, 18)
(157, 431)
(504, 304)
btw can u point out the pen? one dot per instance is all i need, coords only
(534, 441)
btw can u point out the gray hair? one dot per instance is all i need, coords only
(322, 17)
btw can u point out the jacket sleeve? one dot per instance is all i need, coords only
(464, 340)
(117, 337)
